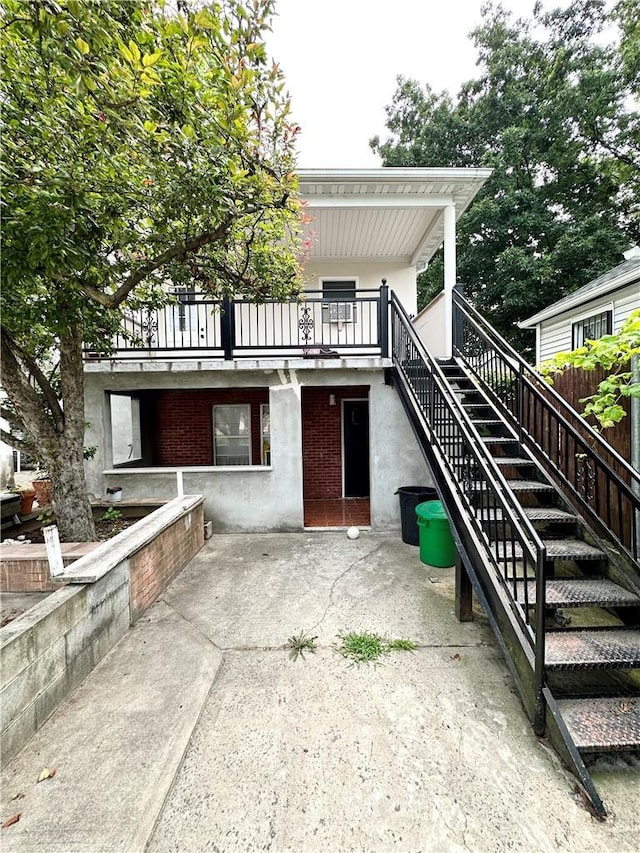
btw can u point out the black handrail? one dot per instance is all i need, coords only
(310, 324)
(512, 545)
(593, 474)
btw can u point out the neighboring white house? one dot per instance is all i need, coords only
(264, 408)
(599, 308)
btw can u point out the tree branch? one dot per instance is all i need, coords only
(28, 405)
(15, 442)
(113, 300)
(35, 371)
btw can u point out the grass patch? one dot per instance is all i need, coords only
(299, 644)
(369, 648)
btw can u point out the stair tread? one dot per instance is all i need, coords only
(530, 486)
(517, 486)
(534, 513)
(498, 439)
(513, 460)
(591, 648)
(557, 549)
(580, 592)
(603, 722)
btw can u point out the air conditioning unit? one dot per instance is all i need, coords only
(341, 312)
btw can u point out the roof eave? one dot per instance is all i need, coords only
(562, 307)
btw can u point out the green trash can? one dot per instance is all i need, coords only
(437, 547)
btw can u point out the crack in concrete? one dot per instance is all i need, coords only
(285, 647)
(349, 568)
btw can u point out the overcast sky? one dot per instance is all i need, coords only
(341, 59)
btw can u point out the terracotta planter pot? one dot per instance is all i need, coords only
(27, 498)
(44, 492)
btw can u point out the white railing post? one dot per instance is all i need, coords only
(449, 274)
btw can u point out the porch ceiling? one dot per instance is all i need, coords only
(383, 214)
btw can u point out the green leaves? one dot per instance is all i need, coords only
(550, 112)
(611, 353)
(141, 146)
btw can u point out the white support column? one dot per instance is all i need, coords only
(449, 273)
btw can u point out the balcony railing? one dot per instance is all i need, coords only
(311, 326)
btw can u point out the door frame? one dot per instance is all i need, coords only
(344, 400)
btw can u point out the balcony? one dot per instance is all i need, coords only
(311, 326)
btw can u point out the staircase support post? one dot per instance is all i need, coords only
(464, 593)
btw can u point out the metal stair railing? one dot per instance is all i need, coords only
(588, 470)
(512, 547)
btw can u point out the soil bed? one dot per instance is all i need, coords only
(104, 529)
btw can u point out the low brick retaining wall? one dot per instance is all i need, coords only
(25, 568)
(51, 648)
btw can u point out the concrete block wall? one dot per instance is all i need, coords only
(53, 647)
(49, 650)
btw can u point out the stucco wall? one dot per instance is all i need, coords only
(430, 326)
(264, 498)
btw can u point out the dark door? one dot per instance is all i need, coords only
(355, 437)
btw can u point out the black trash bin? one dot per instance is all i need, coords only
(410, 497)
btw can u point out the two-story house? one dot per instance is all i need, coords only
(279, 413)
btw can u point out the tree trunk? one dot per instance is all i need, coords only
(70, 498)
(71, 502)
(57, 433)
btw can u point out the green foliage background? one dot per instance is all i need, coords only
(554, 112)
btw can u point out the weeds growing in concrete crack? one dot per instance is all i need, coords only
(369, 648)
(299, 644)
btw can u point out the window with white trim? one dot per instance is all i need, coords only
(591, 328)
(232, 435)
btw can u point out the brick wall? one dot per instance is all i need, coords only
(322, 439)
(25, 568)
(183, 423)
(152, 569)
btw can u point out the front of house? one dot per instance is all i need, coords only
(279, 413)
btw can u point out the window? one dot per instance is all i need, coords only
(265, 435)
(126, 440)
(591, 328)
(232, 435)
(337, 310)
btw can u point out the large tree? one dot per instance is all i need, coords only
(553, 111)
(143, 144)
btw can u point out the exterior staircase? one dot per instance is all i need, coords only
(557, 575)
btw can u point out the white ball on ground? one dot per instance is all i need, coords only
(353, 533)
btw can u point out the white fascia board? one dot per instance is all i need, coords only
(564, 305)
(386, 175)
(375, 202)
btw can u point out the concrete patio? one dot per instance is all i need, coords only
(199, 732)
